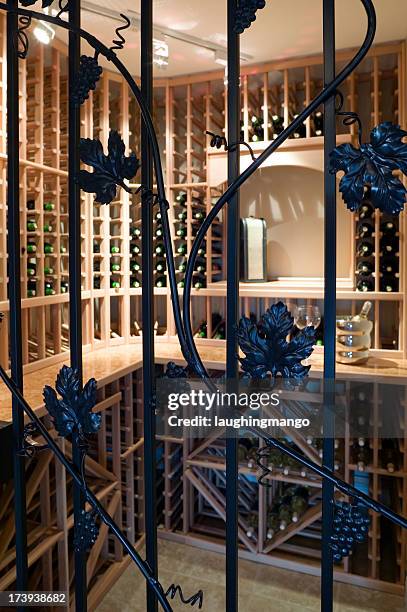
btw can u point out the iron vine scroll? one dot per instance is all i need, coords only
(110, 172)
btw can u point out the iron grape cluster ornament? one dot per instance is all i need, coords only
(89, 74)
(109, 170)
(371, 166)
(86, 532)
(266, 348)
(73, 412)
(350, 527)
(246, 13)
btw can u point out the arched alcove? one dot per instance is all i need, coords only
(290, 199)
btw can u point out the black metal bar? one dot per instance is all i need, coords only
(329, 308)
(14, 293)
(232, 303)
(75, 302)
(148, 303)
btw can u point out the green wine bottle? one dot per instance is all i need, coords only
(31, 247)
(49, 206)
(48, 248)
(31, 225)
(115, 249)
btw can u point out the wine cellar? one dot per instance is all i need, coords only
(278, 525)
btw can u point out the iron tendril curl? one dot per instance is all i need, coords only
(118, 44)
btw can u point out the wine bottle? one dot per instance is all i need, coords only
(365, 249)
(48, 270)
(364, 267)
(32, 267)
(361, 456)
(115, 267)
(182, 248)
(365, 284)
(64, 284)
(318, 121)
(31, 288)
(181, 231)
(135, 232)
(181, 198)
(135, 249)
(388, 283)
(31, 247)
(62, 249)
(301, 130)
(200, 264)
(182, 266)
(160, 265)
(49, 206)
(299, 502)
(220, 331)
(285, 516)
(182, 216)
(389, 245)
(31, 225)
(199, 281)
(202, 332)
(181, 284)
(388, 228)
(389, 265)
(277, 125)
(272, 525)
(157, 216)
(48, 248)
(390, 455)
(365, 229)
(115, 249)
(161, 281)
(47, 227)
(135, 282)
(135, 266)
(253, 523)
(199, 215)
(30, 204)
(114, 284)
(96, 246)
(49, 288)
(366, 210)
(158, 232)
(159, 248)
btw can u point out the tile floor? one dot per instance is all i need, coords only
(262, 588)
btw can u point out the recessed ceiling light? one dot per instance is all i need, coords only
(44, 33)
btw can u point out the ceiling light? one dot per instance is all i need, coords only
(44, 33)
(160, 53)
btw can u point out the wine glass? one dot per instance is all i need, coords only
(305, 316)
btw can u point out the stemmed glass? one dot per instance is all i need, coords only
(305, 316)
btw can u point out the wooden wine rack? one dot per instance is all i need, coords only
(184, 108)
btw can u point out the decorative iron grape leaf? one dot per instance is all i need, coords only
(350, 527)
(175, 371)
(86, 532)
(73, 412)
(371, 166)
(266, 348)
(109, 170)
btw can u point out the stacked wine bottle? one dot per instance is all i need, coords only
(135, 255)
(365, 247)
(32, 250)
(389, 254)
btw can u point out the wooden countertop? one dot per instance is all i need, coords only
(109, 363)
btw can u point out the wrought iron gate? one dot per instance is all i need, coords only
(71, 412)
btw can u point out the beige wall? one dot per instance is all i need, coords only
(291, 200)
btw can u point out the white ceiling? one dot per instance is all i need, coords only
(285, 28)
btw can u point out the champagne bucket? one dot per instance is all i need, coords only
(353, 339)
